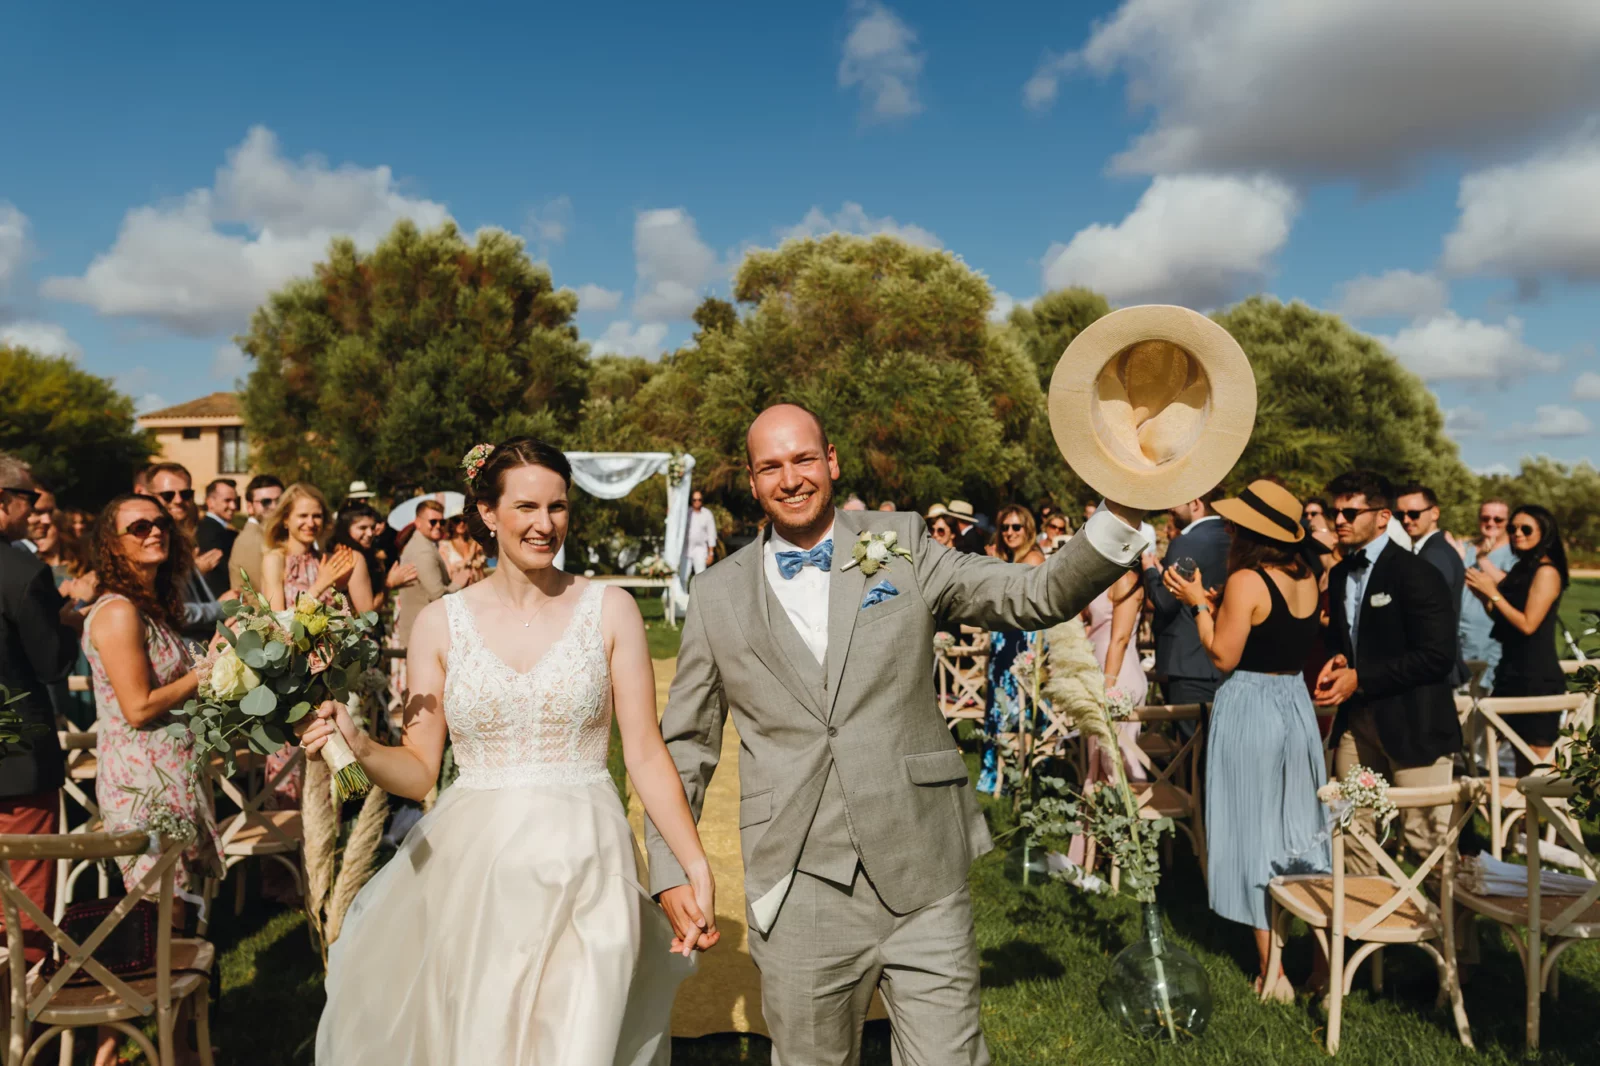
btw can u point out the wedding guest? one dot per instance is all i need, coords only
(1055, 533)
(172, 484)
(38, 642)
(1004, 695)
(261, 495)
(1524, 606)
(1492, 555)
(1315, 518)
(887, 505)
(460, 552)
(853, 503)
(942, 530)
(1418, 511)
(358, 492)
(1263, 752)
(700, 545)
(39, 519)
(215, 533)
(1189, 674)
(970, 536)
(74, 580)
(1391, 619)
(78, 523)
(293, 563)
(141, 671)
(356, 528)
(434, 579)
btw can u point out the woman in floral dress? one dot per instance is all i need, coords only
(1015, 542)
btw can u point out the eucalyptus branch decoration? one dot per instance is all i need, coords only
(15, 731)
(1579, 759)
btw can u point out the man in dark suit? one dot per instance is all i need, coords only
(215, 533)
(1180, 657)
(1418, 510)
(1392, 623)
(38, 647)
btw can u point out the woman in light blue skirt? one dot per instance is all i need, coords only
(1264, 759)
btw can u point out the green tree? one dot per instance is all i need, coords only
(388, 366)
(1571, 492)
(890, 344)
(1330, 399)
(75, 429)
(1052, 322)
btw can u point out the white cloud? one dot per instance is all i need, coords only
(620, 338)
(878, 57)
(1392, 293)
(1451, 348)
(1039, 91)
(1363, 87)
(595, 298)
(13, 242)
(1192, 239)
(1465, 421)
(853, 218)
(228, 363)
(1004, 302)
(1532, 218)
(202, 263)
(42, 338)
(673, 263)
(549, 224)
(1553, 420)
(1494, 470)
(1586, 386)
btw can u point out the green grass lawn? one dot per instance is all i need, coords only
(1582, 595)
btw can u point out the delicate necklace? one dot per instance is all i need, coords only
(531, 618)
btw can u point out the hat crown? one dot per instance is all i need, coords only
(1277, 498)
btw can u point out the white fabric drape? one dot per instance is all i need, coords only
(612, 475)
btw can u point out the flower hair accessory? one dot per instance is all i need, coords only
(473, 461)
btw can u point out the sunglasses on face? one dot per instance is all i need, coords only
(1413, 515)
(1490, 520)
(32, 495)
(141, 527)
(1349, 514)
(1054, 528)
(186, 495)
(1313, 513)
(1525, 531)
(1012, 527)
(433, 523)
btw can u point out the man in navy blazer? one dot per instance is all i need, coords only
(1418, 510)
(1180, 657)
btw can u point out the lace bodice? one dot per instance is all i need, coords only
(549, 726)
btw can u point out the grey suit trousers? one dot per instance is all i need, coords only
(833, 944)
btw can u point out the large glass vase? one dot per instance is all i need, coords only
(1156, 989)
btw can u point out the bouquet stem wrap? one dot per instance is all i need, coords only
(349, 779)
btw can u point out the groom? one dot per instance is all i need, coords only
(857, 821)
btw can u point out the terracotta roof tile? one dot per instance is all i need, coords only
(217, 405)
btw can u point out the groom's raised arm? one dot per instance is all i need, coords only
(981, 591)
(692, 727)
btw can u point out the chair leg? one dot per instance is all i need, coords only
(1554, 984)
(202, 1024)
(67, 1045)
(1275, 952)
(1533, 958)
(1335, 990)
(1450, 983)
(238, 889)
(1377, 972)
(166, 1019)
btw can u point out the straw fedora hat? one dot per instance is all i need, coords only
(936, 511)
(962, 510)
(1152, 405)
(1266, 508)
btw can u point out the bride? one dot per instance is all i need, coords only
(511, 928)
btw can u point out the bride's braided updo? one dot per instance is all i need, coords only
(486, 466)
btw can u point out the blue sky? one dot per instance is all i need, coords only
(1428, 169)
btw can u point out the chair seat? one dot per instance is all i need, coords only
(255, 838)
(83, 767)
(1158, 746)
(1162, 800)
(1513, 910)
(1310, 898)
(92, 1004)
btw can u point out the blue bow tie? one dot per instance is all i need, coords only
(821, 557)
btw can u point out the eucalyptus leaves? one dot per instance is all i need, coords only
(269, 670)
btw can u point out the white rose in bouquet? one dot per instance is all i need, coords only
(230, 678)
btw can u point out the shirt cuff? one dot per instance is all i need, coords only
(1113, 538)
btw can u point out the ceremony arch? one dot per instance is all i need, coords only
(612, 475)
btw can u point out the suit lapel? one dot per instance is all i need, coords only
(1338, 582)
(755, 619)
(845, 589)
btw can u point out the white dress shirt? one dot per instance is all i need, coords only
(701, 539)
(1416, 547)
(804, 596)
(1355, 586)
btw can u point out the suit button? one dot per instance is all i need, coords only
(832, 732)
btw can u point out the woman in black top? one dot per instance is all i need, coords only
(1524, 607)
(1263, 752)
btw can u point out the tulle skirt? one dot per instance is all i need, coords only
(509, 929)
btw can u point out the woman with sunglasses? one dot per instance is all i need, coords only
(294, 564)
(942, 530)
(1014, 541)
(140, 670)
(1524, 606)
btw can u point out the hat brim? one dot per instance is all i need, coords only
(1221, 439)
(1242, 514)
(362, 496)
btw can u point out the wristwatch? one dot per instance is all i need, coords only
(1196, 608)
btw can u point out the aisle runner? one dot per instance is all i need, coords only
(724, 996)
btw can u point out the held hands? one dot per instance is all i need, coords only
(1189, 591)
(317, 728)
(1336, 683)
(692, 910)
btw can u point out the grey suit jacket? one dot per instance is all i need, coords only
(246, 555)
(433, 581)
(873, 719)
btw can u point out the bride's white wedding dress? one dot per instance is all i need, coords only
(511, 928)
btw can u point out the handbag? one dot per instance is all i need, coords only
(128, 950)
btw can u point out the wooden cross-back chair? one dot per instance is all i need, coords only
(255, 831)
(82, 768)
(1538, 917)
(1495, 719)
(1389, 907)
(961, 673)
(180, 979)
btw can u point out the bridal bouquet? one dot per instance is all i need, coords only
(269, 669)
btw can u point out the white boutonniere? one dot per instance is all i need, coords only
(872, 551)
(1380, 599)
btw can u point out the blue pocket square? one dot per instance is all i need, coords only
(878, 593)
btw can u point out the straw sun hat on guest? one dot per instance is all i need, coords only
(1266, 508)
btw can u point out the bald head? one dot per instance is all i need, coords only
(792, 469)
(783, 422)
